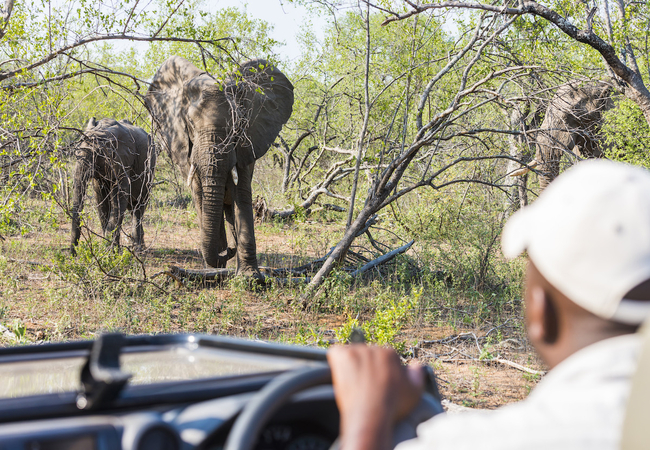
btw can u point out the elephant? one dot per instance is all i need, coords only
(214, 131)
(571, 124)
(120, 159)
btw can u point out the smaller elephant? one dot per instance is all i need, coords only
(571, 124)
(120, 159)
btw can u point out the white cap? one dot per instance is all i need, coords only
(588, 234)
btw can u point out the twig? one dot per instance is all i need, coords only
(506, 362)
(32, 263)
(516, 366)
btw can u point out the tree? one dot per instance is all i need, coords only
(419, 105)
(579, 21)
(60, 63)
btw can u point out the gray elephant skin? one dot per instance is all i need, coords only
(120, 159)
(214, 131)
(571, 124)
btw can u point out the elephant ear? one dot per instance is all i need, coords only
(92, 123)
(167, 105)
(265, 99)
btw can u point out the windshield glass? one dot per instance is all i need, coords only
(174, 363)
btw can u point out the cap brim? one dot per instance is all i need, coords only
(517, 232)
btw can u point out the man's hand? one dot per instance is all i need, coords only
(373, 391)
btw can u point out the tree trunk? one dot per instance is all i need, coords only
(517, 193)
(341, 249)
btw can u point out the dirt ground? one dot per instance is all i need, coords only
(458, 355)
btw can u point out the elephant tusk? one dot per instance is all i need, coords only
(235, 175)
(524, 170)
(191, 175)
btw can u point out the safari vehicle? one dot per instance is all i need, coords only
(173, 392)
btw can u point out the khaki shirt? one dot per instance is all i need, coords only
(580, 404)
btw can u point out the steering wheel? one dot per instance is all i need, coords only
(256, 414)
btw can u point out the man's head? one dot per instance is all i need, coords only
(588, 241)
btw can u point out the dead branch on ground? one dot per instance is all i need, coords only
(291, 275)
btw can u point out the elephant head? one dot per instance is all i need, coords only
(571, 124)
(214, 130)
(83, 172)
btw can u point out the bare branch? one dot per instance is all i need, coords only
(112, 37)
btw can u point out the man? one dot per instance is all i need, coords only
(587, 291)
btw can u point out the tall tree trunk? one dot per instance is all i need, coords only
(517, 193)
(366, 117)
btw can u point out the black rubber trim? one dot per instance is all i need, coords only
(149, 342)
(133, 397)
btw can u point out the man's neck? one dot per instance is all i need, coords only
(579, 336)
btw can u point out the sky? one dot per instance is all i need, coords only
(287, 20)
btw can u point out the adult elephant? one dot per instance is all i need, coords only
(120, 159)
(214, 130)
(571, 124)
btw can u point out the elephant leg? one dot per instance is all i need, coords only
(138, 205)
(118, 208)
(138, 230)
(222, 249)
(103, 197)
(244, 223)
(197, 197)
(592, 149)
(230, 235)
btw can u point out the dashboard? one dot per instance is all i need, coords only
(173, 392)
(309, 421)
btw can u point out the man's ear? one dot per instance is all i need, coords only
(542, 316)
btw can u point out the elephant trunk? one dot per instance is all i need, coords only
(549, 153)
(82, 173)
(213, 173)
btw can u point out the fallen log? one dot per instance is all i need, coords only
(286, 276)
(382, 259)
(179, 273)
(181, 276)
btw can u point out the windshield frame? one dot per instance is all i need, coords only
(139, 395)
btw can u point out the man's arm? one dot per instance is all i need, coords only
(373, 391)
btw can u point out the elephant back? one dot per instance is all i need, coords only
(122, 141)
(265, 95)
